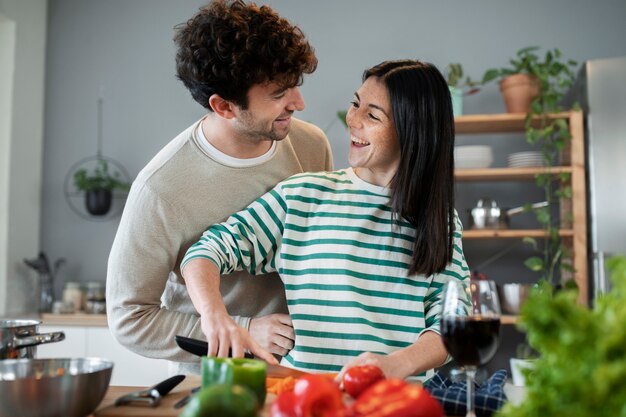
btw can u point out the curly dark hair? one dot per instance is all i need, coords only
(229, 46)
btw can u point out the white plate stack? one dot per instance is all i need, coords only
(474, 156)
(525, 159)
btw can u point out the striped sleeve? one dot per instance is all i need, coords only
(247, 240)
(457, 269)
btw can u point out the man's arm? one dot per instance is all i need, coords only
(144, 253)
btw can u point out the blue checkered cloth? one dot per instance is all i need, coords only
(488, 398)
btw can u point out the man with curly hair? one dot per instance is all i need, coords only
(244, 64)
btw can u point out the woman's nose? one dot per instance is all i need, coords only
(352, 119)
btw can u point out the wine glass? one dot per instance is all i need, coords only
(470, 327)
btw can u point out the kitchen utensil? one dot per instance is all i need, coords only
(487, 214)
(19, 338)
(200, 348)
(151, 396)
(52, 387)
(513, 295)
(183, 401)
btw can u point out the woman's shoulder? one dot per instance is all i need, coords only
(323, 178)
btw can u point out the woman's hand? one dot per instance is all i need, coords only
(224, 336)
(391, 366)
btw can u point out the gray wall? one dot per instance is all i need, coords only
(125, 46)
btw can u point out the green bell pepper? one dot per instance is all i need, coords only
(223, 400)
(247, 372)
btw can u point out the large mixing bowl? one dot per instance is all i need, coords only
(52, 387)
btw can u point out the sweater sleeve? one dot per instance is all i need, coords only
(144, 253)
(248, 240)
(457, 269)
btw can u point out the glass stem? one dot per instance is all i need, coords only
(470, 371)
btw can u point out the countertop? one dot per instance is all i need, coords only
(75, 319)
(164, 409)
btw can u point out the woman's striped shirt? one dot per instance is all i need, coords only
(344, 262)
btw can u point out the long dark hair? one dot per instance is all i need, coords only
(423, 186)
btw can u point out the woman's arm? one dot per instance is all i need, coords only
(426, 353)
(247, 240)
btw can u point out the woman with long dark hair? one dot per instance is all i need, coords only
(364, 252)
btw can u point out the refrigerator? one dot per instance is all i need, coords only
(600, 89)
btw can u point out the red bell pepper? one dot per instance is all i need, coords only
(396, 398)
(312, 396)
(358, 378)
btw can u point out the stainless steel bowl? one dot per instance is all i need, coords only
(52, 387)
(512, 296)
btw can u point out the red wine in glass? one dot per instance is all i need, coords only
(473, 340)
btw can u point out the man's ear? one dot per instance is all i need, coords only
(221, 107)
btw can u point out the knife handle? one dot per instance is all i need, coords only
(166, 386)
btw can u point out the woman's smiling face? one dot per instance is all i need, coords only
(374, 145)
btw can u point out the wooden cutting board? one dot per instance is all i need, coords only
(164, 409)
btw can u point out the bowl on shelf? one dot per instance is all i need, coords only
(512, 296)
(473, 156)
(53, 387)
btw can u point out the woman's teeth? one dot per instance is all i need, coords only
(358, 141)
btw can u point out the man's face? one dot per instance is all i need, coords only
(269, 111)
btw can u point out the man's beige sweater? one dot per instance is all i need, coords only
(173, 200)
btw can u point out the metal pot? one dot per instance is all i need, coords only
(487, 214)
(19, 338)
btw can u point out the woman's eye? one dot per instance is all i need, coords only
(371, 116)
(354, 104)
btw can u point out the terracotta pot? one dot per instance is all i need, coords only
(518, 91)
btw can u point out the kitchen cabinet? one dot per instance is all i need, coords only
(97, 341)
(572, 161)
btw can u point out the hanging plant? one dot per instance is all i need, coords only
(98, 187)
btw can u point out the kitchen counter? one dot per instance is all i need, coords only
(164, 409)
(75, 319)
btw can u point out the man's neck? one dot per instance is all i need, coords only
(224, 138)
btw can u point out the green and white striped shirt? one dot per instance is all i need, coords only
(344, 263)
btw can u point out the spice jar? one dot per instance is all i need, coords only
(95, 298)
(73, 292)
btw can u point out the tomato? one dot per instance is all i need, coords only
(358, 378)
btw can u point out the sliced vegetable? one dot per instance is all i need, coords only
(224, 400)
(396, 398)
(358, 378)
(247, 372)
(312, 396)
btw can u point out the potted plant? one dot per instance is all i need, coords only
(459, 86)
(98, 187)
(528, 76)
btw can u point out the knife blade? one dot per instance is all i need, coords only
(151, 396)
(200, 348)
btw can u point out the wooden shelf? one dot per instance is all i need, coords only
(507, 174)
(75, 319)
(507, 319)
(510, 233)
(495, 123)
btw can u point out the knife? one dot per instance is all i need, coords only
(200, 348)
(151, 396)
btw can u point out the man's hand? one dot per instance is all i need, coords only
(273, 332)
